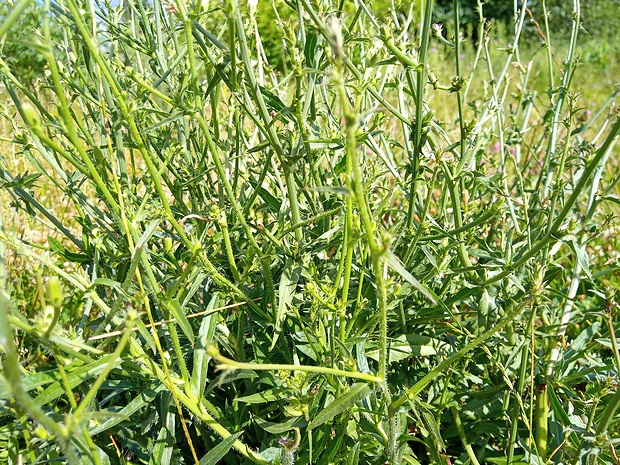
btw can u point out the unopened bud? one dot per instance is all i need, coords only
(168, 244)
(31, 116)
(53, 292)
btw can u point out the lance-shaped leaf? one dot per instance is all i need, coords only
(357, 392)
(201, 358)
(288, 284)
(218, 452)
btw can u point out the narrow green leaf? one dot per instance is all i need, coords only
(582, 256)
(228, 377)
(357, 392)
(148, 233)
(483, 310)
(86, 453)
(162, 452)
(99, 414)
(269, 199)
(426, 418)
(405, 346)
(279, 428)
(561, 415)
(288, 284)
(68, 255)
(218, 452)
(146, 334)
(163, 122)
(109, 283)
(330, 452)
(397, 266)
(191, 290)
(272, 100)
(354, 454)
(309, 49)
(210, 37)
(183, 322)
(201, 358)
(75, 378)
(580, 342)
(33, 381)
(141, 400)
(270, 395)
(25, 182)
(331, 190)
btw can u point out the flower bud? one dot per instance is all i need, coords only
(31, 116)
(53, 292)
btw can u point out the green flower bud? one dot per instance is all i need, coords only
(168, 244)
(31, 116)
(53, 292)
(41, 432)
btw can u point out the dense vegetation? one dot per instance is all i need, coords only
(321, 232)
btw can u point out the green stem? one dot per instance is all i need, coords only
(569, 66)
(112, 359)
(457, 58)
(456, 198)
(192, 404)
(418, 140)
(271, 134)
(463, 436)
(355, 177)
(514, 420)
(614, 402)
(541, 419)
(228, 364)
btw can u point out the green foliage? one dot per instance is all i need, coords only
(361, 250)
(600, 19)
(493, 10)
(19, 46)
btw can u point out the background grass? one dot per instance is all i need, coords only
(319, 233)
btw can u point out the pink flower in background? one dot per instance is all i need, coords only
(497, 146)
